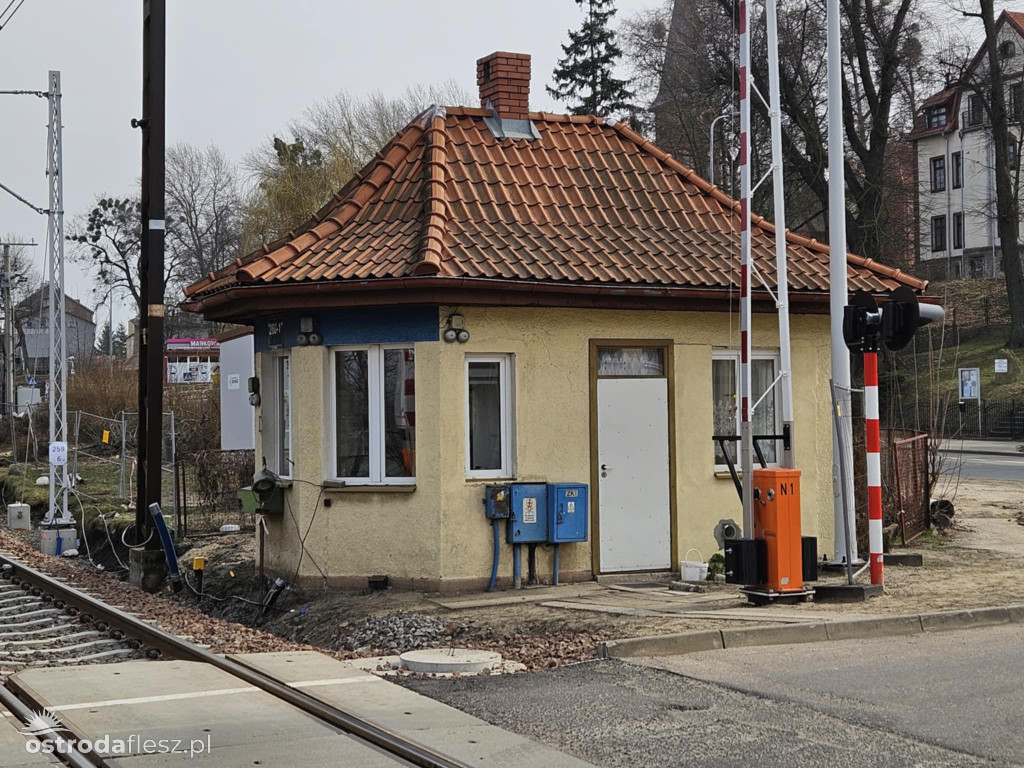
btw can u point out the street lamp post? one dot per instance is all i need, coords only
(711, 147)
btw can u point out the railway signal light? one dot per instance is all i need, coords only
(864, 325)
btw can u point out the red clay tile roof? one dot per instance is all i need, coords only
(590, 203)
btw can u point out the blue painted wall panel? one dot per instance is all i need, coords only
(354, 325)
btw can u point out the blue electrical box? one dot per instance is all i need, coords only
(528, 513)
(567, 512)
(497, 502)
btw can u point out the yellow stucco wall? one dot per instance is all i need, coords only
(438, 532)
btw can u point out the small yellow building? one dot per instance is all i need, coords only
(505, 295)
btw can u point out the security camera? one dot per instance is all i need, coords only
(462, 336)
(450, 335)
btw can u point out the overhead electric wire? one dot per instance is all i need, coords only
(5, 23)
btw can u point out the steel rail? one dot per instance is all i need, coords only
(172, 646)
(70, 756)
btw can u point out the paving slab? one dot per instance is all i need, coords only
(12, 745)
(407, 713)
(184, 701)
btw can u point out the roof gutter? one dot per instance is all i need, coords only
(468, 290)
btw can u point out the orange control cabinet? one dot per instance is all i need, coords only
(777, 521)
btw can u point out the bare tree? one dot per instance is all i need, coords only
(25, 275)
(986, 76)
(291, 178)
(204, 211)
(884, 47)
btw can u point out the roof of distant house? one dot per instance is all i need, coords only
(40, 299)
(950, 96)
(588, 206)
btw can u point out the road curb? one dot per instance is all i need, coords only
(812, 632)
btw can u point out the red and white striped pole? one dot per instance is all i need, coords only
(873, 443)
(746, 430)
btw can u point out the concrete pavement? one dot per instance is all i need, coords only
(958, 690)
(949, 699)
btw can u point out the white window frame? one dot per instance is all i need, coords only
(725, 353)
(375, 414)
(506, 374)
(284, 472)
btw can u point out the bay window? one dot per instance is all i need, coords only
(373, 402)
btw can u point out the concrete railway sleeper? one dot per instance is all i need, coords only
(155, 643)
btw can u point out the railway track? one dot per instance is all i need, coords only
(73, 627)
(37, 630)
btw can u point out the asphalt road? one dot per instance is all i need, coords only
(984, 467)
(945, 699)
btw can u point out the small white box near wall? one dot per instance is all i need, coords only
(18, 516)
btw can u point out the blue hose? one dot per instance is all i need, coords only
(165, 539)
(497, 551)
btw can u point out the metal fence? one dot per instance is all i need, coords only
(974, 420)
(207, 484)
(101, 451)
(910, 478)
(904, 459)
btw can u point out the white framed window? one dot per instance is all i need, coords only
(490, 417)
(373, 407)
(725, 392)
(283, 413)
(276, 412)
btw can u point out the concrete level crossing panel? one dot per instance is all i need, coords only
(184, 701)
(407, 713)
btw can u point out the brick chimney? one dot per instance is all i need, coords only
(504, 80)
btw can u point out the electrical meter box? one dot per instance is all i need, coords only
(528, 513)
(567, 512)
(497, 502)
(251, 503)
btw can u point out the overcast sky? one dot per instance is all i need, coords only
(237, 71)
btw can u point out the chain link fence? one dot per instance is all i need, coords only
(208, 484)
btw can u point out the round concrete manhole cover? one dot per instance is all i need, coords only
(447, 661)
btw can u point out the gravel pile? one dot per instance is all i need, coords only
(394, 633)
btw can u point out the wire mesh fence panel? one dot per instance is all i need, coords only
(904, 459)
(910, 473)
(208, 483)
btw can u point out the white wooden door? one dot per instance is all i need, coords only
(634, 514)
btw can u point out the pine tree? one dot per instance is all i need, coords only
(121, 342)
(103, 340)
(584, 76)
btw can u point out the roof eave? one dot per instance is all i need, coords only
(243, 303)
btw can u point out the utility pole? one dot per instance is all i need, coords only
(147, 567)
(842, 478)
(9, 392)
(57, 516)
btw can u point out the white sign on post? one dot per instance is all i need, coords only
(970, 383)
(58, 453)
(1001, 365)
